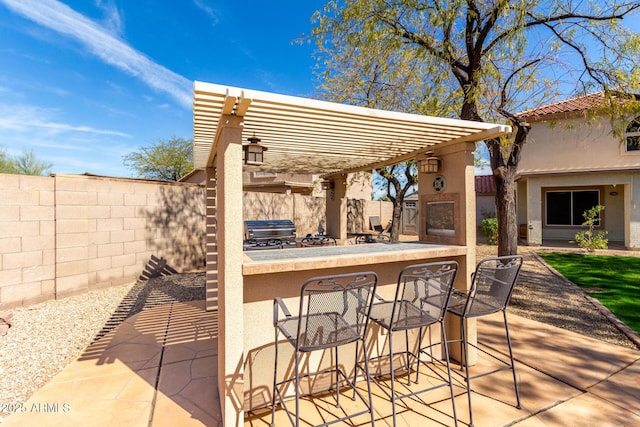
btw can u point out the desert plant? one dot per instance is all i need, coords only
(590, 239)
(489, 229)
(164, 159)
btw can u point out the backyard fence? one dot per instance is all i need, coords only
(67, 234)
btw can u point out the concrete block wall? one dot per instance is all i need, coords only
(27, 239)
(307, 212)
(378, 208)
(67, 234)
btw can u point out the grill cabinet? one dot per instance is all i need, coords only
(269, 234)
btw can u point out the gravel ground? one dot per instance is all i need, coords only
(45, 337)
(541, 295)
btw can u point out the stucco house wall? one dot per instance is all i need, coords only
(568, 153)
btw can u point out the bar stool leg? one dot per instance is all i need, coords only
(393, 379)
(443, 335)
(274, 391)
(297, 383)
(337, 386)
(513, 366)
(466, 367)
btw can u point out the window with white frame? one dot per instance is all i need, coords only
(632, 135)
(566, 207)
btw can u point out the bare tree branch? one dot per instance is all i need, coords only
(563, 18)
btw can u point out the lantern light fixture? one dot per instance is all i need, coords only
(431, 163)
(253, 151)
(327, 185)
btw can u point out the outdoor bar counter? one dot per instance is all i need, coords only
(314, 137)
(282, 272)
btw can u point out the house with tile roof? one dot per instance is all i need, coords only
(485, 197)
(570, 164)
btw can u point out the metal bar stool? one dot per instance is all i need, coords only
(492, 284)
(333, 312)
(421, 298)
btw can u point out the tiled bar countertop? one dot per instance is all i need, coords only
(327, 257)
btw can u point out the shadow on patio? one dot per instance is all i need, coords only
(159, 367)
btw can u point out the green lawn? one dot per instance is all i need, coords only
(613, 280)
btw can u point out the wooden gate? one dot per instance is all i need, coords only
(409, 218)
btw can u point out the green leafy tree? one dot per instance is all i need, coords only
(478, 60)
(28, 164)
(7, 164)
(24, 164)
(166, 160)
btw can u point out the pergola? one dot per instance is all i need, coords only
(313, 137)
(318, 137)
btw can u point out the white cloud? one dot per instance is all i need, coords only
(23, 118)
(208, 10)
(109, 48)
(112, 20)
(71, 148)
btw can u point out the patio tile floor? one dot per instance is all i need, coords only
(158, 368)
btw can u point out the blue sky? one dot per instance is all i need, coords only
(85, 82)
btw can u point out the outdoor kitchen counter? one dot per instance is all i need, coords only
(281, 272)
(330, 257)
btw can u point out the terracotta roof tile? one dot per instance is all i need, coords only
(485, 184)
(580, 103)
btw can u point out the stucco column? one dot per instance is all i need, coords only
(534, 212)
(632, 206)
(456, 184)
(463, 160)
(228, 164)
(337, 208)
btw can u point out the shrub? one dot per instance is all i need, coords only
(590, 239)
(489, 229)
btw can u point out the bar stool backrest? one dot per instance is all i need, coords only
(427, 286)
(492, 285)
(335, 310)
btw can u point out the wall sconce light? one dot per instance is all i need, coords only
(253, 151)
(328, 185)
(613, 193)
(430, 164)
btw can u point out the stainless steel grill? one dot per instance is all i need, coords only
(269, 234)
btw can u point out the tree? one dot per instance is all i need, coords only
(590, 239)
(24, 164)
(7, 164)
(398, 179)
(27, 164)
(485, 60)
(166, 160)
